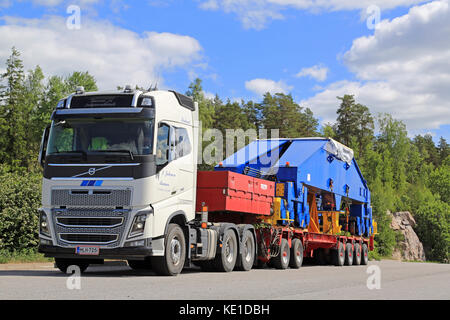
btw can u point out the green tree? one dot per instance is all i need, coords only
(206, 116)
(443, 149)
(279, 111)
(77, 79)
(13, 148)
(433, 229)
(439, 181)
(394, 144)
(427, 147)
(354, 125)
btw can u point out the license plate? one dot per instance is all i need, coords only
(87, 251)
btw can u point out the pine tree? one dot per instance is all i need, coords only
(443, 150)
(355, 125)
(13, 148)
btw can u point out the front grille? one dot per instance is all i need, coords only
(93, 222)
(91, 198)
(101, 226)
(89, 238)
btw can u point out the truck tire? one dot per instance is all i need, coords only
(64, 264)
(281, 261)
(364, 255)
(174, 257)
(226, 257)
(348, 254)
(139, 264)
(357, 255)
(296, 259)
(339, 255)
(246, 257)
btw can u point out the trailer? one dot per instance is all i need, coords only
(311, 201)
(120, 181)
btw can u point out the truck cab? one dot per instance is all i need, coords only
(119, 172)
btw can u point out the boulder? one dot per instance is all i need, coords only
(410, 247)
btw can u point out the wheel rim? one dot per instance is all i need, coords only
(175, 251)
(247, 250)
(298, 256)
(229, 251)
(284, 257)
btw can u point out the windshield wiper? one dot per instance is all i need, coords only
(115, 151)
(81, 152)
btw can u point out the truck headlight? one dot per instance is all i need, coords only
(43, 224)
(138, 226)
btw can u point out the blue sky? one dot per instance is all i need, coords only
(245, 48)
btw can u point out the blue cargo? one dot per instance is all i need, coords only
(316, 165)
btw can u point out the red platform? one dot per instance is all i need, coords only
(230, 191)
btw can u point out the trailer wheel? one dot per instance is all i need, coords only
(246, 258)
(64, 264)
(364, 255)
(348, 254)
(296, 259)
(339, 255)
(174, 257)
(281, 261)
(357, 255)
(226, 257)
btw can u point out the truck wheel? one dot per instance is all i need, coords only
(296, 259)
(174, 257)
(357, 255)
(226, 257)
(64, 264)
(139, 264)
(348, 254)
(339, 255)
(364, 255)
(246, 258)
(281, 261)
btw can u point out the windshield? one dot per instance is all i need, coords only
(91, 136)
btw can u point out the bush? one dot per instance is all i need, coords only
(22, 256)
(433, 229)
(20, 197)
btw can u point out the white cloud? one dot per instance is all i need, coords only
(317, 72)
(255, 14)
(262, 86)
(47, 3)
(54, 3)
(335, 5)
(5, 3)
(209, 95)
(403, 69)
(115, 56)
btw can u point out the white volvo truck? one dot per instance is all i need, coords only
(120, 183)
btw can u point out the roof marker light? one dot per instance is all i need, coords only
(80, 90)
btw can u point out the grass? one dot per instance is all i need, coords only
(22, 256)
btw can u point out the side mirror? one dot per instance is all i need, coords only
(43, 148)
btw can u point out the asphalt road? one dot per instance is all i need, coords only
(398, 280)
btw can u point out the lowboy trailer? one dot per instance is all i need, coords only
(121, 182)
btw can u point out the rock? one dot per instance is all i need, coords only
(410, 247)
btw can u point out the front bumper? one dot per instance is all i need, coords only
(127, 253)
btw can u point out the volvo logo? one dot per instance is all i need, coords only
(92, 171)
